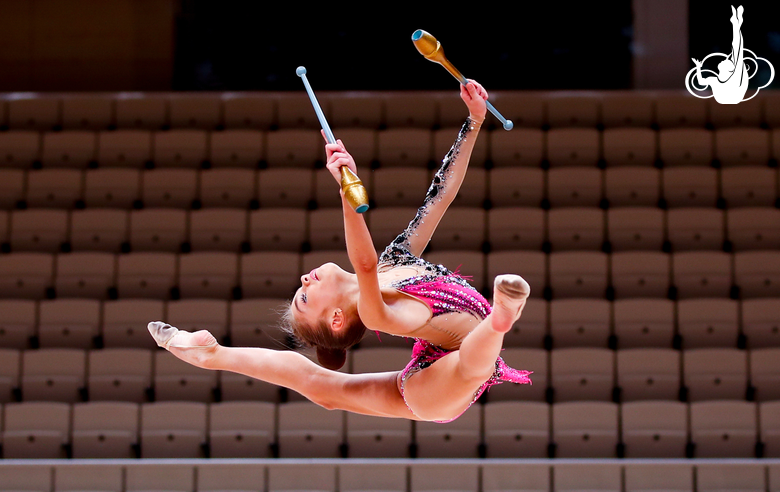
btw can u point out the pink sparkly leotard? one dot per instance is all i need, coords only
(442, 290)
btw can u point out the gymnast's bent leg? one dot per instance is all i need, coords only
(446, 388)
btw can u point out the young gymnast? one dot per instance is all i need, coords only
(458, 336)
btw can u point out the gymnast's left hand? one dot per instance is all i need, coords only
(474, 95)
(338, 156)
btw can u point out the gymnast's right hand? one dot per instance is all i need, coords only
(338, 156)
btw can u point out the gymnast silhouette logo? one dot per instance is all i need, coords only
(735, 70)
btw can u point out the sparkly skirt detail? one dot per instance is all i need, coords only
(424, 354)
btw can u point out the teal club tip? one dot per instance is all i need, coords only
(362, 208)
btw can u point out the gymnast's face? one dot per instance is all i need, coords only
(320, 294)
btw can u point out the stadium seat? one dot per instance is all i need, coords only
(715, 374)
(176, 380)
(147, 275)
(708, 323)
(640, 274)
(575, 228)
(574, 186)
(307, 430)
(175, 188)
(655, 429)
(125, 148)
(209, 274)
(269, 274)
(54, 188)
(165, 434)
(227, 187)
(85, 274)
(105, 430)
(112, 187)
(99, 229)
(53, 374)
(644, 323)
(580, 322)
(582, 374)
(523, 147)
(18, 323)
(119, 374)
(378, 437)
(241, 430)
(236, 148)
(71, 323)
(690, 186)
(648, 374)
(37, 430)
(516, 186)
(517, 429)
(632, 186)
(722, 429)
(218, 229)
(636, 228)
(179, 148)
(629, 146)
(702, 274)
(585, 429)
(686, 146)
(279, 229)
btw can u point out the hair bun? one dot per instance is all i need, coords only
(332, 359)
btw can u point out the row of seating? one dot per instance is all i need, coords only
(355, 475)
(686, 186)
(390, 148)
(375, 110)
(225, 275)
(623, 323)
(560, 375)
(462, 228)
(717, 429)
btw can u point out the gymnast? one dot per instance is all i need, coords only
(458, 335)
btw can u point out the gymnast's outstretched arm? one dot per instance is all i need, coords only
(450, 175)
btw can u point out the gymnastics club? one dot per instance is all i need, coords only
(353, 187)
(431, 49)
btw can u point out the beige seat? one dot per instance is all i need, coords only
(42, 229)
(765, 373)
(174, 379)
(243, 110)
(144, 111)
(10, 367)
(166, 433)
(627, 109)
(357, 476)
(580, 322)
(578, 274)
(18, 323)
(119, 374)
(523, 147)
(218, 229)
(146, 275)
(686, 146)
(87, 274)
(54, 188)
(573, 147)
(575, 228)
(632, 186)
(91, 476)
(279, 229)
(523, 108)
(87, 112)
(640, 274)
(390, 187)
(26, 275)
(530, 477)
(516, 228)
(708, 322)
(644, 322)
(326, 229)
(696, 228)
(270, 274)
(99, 229)
(290, 147)
(742, 146)
(285, 187)
(636, 228)
(715, 374)
(747, 477)
(227, 187)
(760, 320)
(234, 477)
(21, 148)
(125, 148)
(34, 112)
(72, 323)
(405, 147)
(11, 193)
(648, 374)
(355, 111)
(749, 186)
(532, 265)
(208, 274)
(412, 109)
(757, 273)
(603, 477)
(195, 111)
(236, 148)
(724, 429)
(37, 430)
(461, 228)
(677, 477)
(733, 115)
(585, 429)
(769, 427)
(71, 148)
(629, 146)
(319, 477)
(517, 429)
(125, 320)
(699, 274)
(753, 228)
(112, 187)
(429, 477)
(307, 430)
(690, 186)
(293, 110)
(241, 429)
(378, 437)
(105, 430)
(158, 229)
(516, 186)
(149, 477)
(179, 148)
(200, 314)
(53, 374)
(569, 110)
(574, 186)
(580, 374)
(165, 187)
(655, 428)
